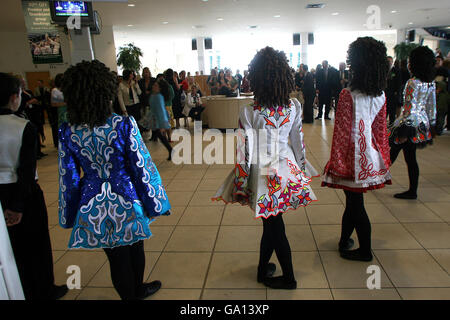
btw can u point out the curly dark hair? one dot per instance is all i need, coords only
(9, 85)
(58, 80)
(369, 66)
(89, 88)
(164, 88)
(270, 77)
(422, 64)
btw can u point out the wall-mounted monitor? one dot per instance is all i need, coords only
(62, 10)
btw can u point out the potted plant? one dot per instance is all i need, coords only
(128, 57)
(402, 50)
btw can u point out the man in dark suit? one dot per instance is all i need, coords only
(343, 81)
(393, 91)
(309, 94)
(326, 80)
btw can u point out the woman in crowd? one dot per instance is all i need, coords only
(57, 100)
(22, 199)
(212, 82)
(275, 183)
(146, 85)
(159, 121)
(120, 192)
(194, 104)
(172, 79)
(359, 159)
(415, 127)
(245, 83)
(128, 96)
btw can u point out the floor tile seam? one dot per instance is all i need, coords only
(320, 256)
(387, 275)
(211, 256)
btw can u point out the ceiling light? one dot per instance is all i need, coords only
(130, 25)
(394, 11)
(131, 5)
(315, 6)
(277, 16)
(335, 13)
(205, 0)
(165, 22)
(219, 19)
(410, 23)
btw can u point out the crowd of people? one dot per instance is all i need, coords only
(97, 118)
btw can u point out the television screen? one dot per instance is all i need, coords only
(70, 8)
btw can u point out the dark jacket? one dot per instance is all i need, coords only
(394, 88)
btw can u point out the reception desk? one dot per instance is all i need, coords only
(222, 112)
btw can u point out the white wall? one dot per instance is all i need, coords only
(159, 55)
(15, 55)
(104, 47)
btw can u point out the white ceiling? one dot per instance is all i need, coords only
(147, 16)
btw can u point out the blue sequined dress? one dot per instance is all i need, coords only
(121, 191)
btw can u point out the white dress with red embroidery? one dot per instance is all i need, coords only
(360, 157)
(278, 183)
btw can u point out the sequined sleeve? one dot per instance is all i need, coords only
(431, 105)
(296, 136)
(244, 154)
(69, 180)
(408, 98)
(146, 178)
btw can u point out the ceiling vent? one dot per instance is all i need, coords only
(315, 6)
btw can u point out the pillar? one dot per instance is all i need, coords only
(81, 45)
(201, 54)
(304, 47)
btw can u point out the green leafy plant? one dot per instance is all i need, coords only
(402, 50)
(129, 57)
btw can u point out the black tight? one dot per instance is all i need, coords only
(158, 135)
(127, 265)
(355, 217)
(409, 152)
(274, 238)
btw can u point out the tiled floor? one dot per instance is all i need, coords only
(208, 250)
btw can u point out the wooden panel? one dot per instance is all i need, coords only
(202, 82)
(33, 77)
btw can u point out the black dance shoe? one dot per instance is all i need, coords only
(280, 283)
(347, 245)
(327, 118)
(318, 118)
(57, 292)
(270, 270)
(356, 255)
(406, 195)
(150, 289)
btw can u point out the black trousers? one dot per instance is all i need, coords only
(274, 239)
(308, 110)
(324, 100)
(409, 152)
(127, 264)
(355, 217)
(134, 111)
(53, 120)
(391, 111)
(30, 241)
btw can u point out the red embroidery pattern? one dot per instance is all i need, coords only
(366, 168)
(341, 162)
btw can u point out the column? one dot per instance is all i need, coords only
(105, 48)
(81, 45)
(201, 54)
(401, 35)
(304, 47)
